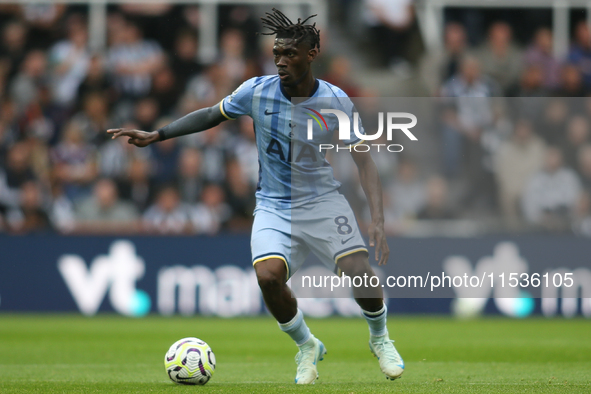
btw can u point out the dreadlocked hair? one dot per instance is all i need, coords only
(283, 27)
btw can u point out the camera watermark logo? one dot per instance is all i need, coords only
(345, 129)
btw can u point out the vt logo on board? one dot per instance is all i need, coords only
(116, 272)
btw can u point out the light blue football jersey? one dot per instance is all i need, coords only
(292, 169)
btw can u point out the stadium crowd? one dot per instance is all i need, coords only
(59, 171)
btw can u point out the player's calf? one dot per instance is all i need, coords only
(271, 276)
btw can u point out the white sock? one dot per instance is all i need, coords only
(297, 329)
(377, 322)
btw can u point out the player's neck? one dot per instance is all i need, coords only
(304, 88)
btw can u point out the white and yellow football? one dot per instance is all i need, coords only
(190, 361)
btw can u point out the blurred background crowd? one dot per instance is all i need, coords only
(515, 159)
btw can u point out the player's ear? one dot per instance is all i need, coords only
(312, 53)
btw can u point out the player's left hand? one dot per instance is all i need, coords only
(377, 238)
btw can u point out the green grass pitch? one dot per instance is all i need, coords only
(111, 354)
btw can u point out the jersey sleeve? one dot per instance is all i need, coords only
(239, 102)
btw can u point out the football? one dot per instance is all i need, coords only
(189, 361)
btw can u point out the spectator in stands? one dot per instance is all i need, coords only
(531, 83)
(499, 57)
(552, 128)
(13, 46)
(243, 18)
(115, 157)
(215, 150)
(390, 23)
(244, 150)
(440, 65)
(165, 158)
(146, 113)
(583, 223)
(470, 81)
(116, 24)
(138, 187)
(387, 165)
(165, 90)
(464, 121)
(97, 80)
(265, 60)
(580, 52)
(168, 215)
(577, 135)
(584, 167)
(4, 67)
(392, 223)
(31, 215)
(240, 196)
(551, 195)
(339, 74)
(232, 55)
(157, 18)
(437, 204)
(571, 82)
(61, 211)
(184, 63)
(147, 10)
(42, 118)
(408, 192)
(32, 76)
(189, 179)
(206, 89)
(208, 216)
(93, 120)
(104, 212)
(73, 162)
(14, 173)
(39, 153)
(191, 15)
(541, 56)
(43, 20)
(9, 127)
(69, 60)
(515, 162)
(133, 61)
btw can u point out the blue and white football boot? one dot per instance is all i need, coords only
(310, 353)
(391, 363)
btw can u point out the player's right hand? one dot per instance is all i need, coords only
(136, 137)
(377, 238)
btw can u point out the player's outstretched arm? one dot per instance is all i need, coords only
(372, 187)
(202, 119)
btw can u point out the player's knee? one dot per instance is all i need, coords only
(268, 279)
(270, 273)
(355, 265)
